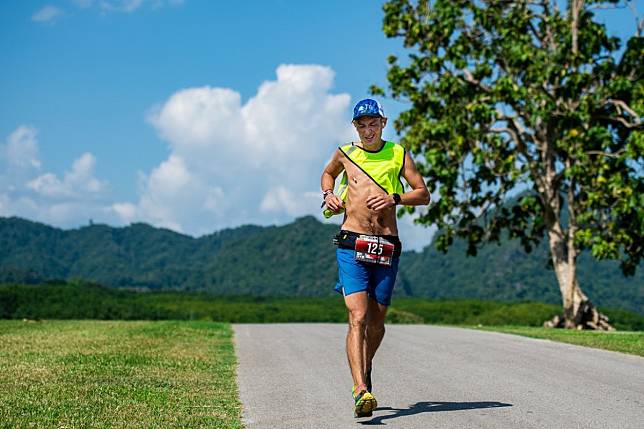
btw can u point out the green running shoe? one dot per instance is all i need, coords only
(365, 402)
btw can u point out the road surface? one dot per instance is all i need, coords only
(296, 376)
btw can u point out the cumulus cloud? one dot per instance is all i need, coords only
(234, 162)
(281, 200)
(47, 13)
(78, 181)
(27, 191)
(21, 150)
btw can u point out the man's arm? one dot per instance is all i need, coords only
(418, 196)
(331, 171)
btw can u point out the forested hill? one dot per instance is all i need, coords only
(297, 259)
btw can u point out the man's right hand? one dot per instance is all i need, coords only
(334, 203)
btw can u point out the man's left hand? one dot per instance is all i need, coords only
(380, 201)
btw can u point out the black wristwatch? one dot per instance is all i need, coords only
(396, 198)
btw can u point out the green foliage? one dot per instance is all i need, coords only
(509, 96)
(250, 260)
(88, 301)
(506, 273)
(294, 260)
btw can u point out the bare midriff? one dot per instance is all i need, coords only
(360, 218)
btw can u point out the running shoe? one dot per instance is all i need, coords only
(364, 401)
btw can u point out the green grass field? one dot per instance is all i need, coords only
(619, 341)
(91, 374)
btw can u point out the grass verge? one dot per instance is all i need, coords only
(619, 341)
(117, 374)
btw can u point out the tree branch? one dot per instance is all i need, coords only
(575, 8)
(515, 130)
(468, 77)
(622, 121)
(540, 37)
(638, 22)
(610, 155)
(547, 37)
(572, 222)
(619, 104)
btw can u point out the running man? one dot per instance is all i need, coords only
(368, 245)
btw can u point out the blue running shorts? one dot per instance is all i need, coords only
(355, 276)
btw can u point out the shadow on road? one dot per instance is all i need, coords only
(431, 407)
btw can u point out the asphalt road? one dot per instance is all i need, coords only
(296, 376)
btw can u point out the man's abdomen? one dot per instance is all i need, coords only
(365, 220)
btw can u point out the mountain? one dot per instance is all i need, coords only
(297, 259)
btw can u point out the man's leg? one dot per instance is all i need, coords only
(374, 333)
(383, 280)
(357, 305)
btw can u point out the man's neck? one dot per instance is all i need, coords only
(372, 147)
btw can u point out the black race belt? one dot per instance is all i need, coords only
(347, 240)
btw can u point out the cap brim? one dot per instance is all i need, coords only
(369, 115)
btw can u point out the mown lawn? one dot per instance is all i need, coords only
(618, 341)
(116, 374)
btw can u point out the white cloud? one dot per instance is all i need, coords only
(28, 192)
(195, 118)
(81, 176)
(280, 200)
(48, 185)
(47, 13)
(21, 150)
(77, 182)
(126, 211)
(232, 162)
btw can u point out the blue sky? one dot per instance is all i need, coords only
(189, 114)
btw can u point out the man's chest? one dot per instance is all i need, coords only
(369, 172)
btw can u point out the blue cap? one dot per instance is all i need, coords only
(368, 107)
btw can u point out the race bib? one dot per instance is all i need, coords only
(374, 249)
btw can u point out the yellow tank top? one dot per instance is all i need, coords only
(384, 167)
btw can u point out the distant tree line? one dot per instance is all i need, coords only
(79, 300)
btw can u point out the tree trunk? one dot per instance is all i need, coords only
(578, 311)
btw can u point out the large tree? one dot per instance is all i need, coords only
(533, 100)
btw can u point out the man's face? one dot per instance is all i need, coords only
(370, 128)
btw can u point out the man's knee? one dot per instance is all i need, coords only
(357, 319)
